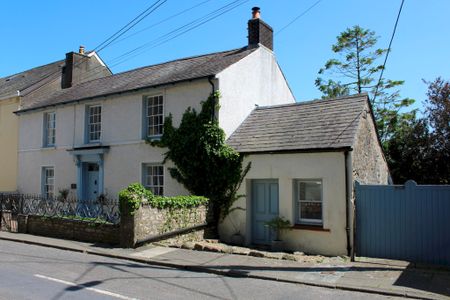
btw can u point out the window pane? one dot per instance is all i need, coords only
(311, 210)
(154, 179)
(309, 201)
(310, 191)
(48, 181)
(94, 123)
(154, 117)
(49, 130)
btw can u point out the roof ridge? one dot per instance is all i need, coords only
(154, 65)
(311, 101)
(178, 59)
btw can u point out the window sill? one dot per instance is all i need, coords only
(154, 138)
(310, 227)
(50, 147)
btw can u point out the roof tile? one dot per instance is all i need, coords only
(317, 124)
(164, 73)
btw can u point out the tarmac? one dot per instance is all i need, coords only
(386, 277)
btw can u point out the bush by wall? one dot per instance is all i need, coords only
(135, 195)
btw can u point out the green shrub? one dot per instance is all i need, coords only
(177, 201)
(132, 197)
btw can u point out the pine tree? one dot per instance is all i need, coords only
(356, 70)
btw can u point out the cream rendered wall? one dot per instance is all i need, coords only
(8, 144)
(328, 166)
(254, 80)
(121, 130)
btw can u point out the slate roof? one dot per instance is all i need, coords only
(9, 85)
(150, 76)
(313, 125)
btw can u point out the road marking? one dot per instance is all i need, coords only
(153, 252)
(103, 292)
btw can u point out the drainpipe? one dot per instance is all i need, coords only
(348, 179)
(213, 89)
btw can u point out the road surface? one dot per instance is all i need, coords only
(34, 272)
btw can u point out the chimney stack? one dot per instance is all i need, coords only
(81, 51)
(259, 32)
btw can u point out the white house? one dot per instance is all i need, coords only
(90, 138)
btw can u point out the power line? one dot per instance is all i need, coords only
(298, 17)
(388, 51)
(162, 21)
(175, 33)
(82, 60)
(171, 35)
(180, 31)
(130, 25)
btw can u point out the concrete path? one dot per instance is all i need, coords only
(374, 276)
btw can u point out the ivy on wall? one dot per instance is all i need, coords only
(132, 197)
(204, 163)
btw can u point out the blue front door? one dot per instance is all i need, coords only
(91, 181)
(264, 208)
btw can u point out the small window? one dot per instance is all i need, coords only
(94, 123)
(153, 178)
(49, 129)
(154, 116)
(309, 202)
(48, 182)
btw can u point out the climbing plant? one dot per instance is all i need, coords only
(204, 163)
(133, 196)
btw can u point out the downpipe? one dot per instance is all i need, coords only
(347, 201)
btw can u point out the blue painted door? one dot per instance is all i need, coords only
(92, 191)
(264, 208)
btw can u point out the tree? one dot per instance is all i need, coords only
(420, 147)
(204, 164)
(407, 152)
(437, 113)
(355, 71)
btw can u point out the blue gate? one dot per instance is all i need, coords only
(407, 222)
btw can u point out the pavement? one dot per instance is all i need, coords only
(386, 277)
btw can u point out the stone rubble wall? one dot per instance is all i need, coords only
(368, 161)
(146, 222)
(151, 221)
(86, 231)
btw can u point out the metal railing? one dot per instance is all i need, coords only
(97, 210)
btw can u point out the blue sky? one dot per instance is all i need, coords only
(38, 32)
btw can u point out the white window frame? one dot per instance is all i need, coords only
(93, 127)
(48, 182)
(298, 201)
(148, 180)
(49, 129)
(156, 129)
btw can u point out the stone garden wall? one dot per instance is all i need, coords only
(86, 231)
(148, 222)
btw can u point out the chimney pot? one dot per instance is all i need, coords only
(259, 32)
(81, 51)
(256, 12)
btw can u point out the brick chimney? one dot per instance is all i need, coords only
(67, 71)
(77, 65)
(81, 66)
(259, 32)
